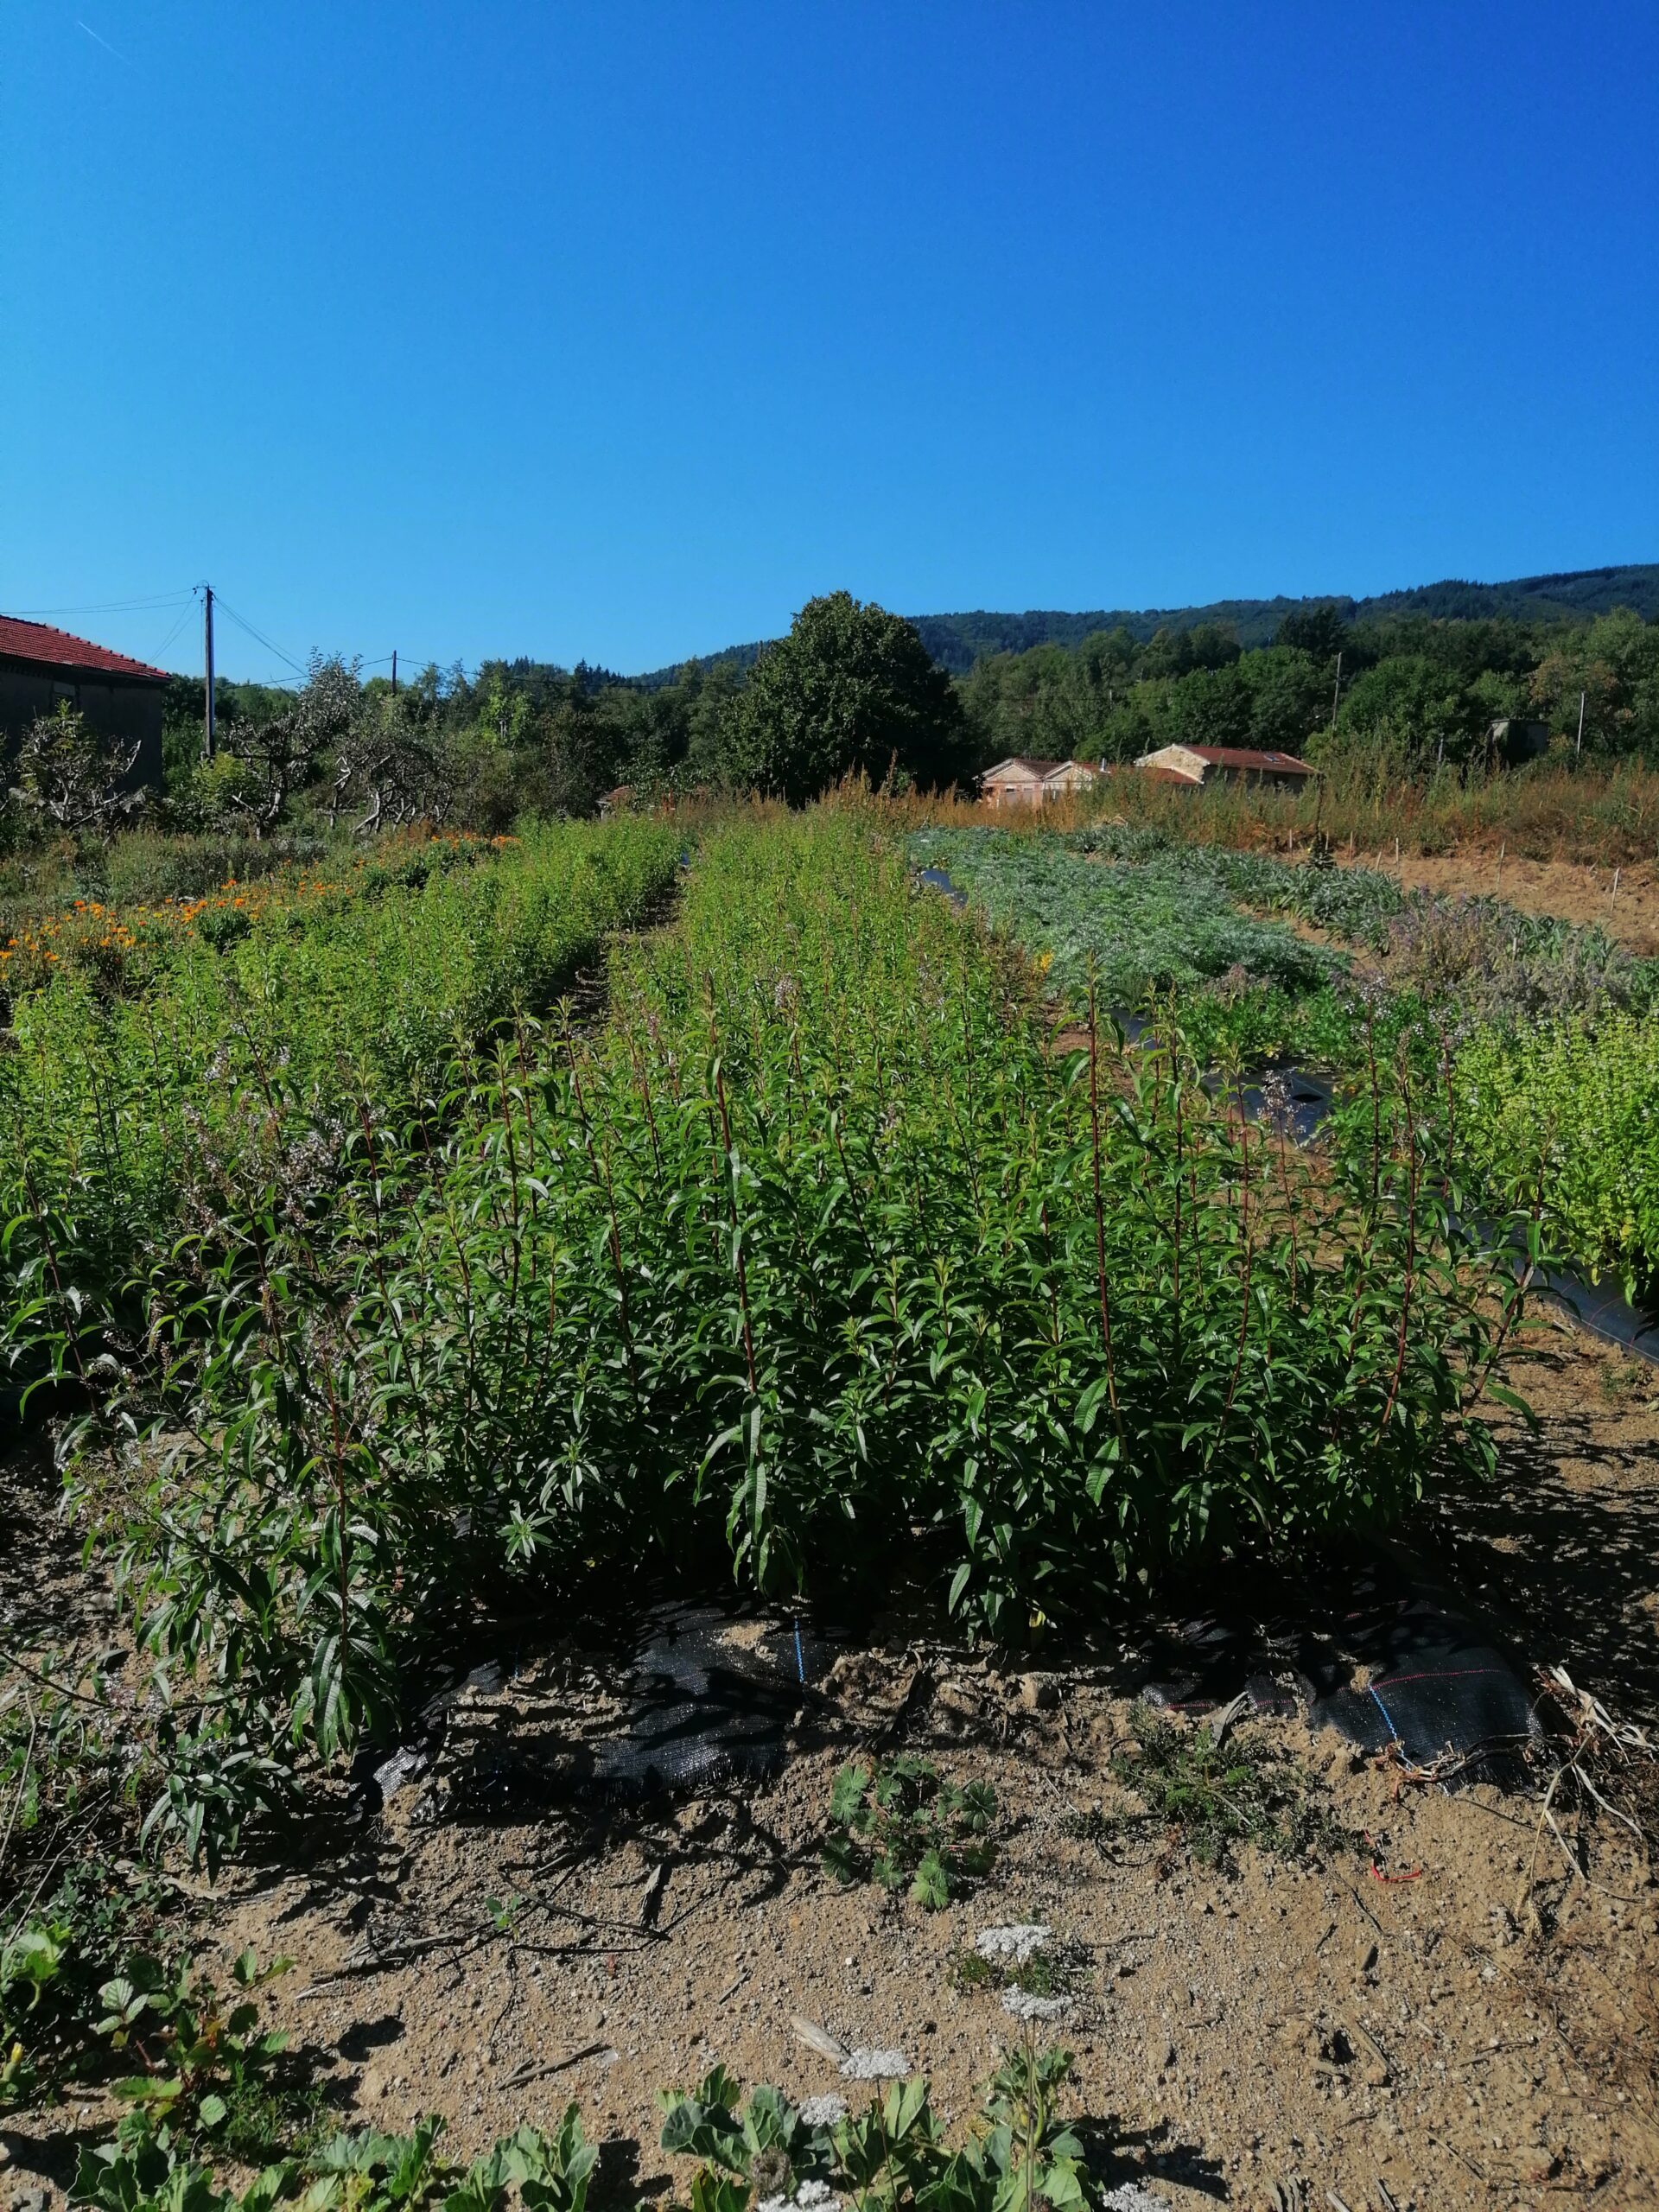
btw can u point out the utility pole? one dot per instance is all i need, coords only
(394, 672)
(208, 642)
(1579, 748)
(1335, 692)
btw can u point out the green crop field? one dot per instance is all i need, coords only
(376, 1284)
(1532, 1043)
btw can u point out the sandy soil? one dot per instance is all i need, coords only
(1230, 2029)
(1463, 2036)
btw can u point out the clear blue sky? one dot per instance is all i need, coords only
(617, 331)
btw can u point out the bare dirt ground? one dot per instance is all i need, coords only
(1471, 2023)
(1571, 889)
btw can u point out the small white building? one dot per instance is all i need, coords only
(1227, 764)
(1021, 781)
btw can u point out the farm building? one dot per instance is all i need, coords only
(1226, 764)
(1513, 740)
(1023, 782)
(120, 698)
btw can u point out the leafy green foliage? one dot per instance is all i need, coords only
(1213, 1798)
(83, 2000)
(1563, 1115)
(53, 1964)
(901, 1824)
(1138, 927)
(816, 1242)
(891, 2158)
(849, 691)
(144, 2169)
(766, 2141)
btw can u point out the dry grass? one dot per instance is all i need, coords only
(1550, 811)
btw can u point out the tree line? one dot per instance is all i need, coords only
(852, 689)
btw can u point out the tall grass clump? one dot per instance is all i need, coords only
(226, 1094)
(816, 1258)
(1551, 808)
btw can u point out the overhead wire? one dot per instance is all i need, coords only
(242, 622)
(180, 620)
(185, 598)
(109, 606)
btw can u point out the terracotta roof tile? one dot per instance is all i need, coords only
(38, 641)
(1237, 756)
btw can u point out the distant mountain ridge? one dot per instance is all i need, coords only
(957, 641)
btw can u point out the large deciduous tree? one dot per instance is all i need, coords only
(850, 691)
(262, 765)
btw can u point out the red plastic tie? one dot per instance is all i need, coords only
(1377, 1875)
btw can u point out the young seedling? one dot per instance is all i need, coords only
(901, 1825)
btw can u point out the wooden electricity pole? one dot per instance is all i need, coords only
(394, 672)
(207, 643)
(1578, 749)
(1335, 692)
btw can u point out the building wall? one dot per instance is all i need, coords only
(1073, 777)
(125, 709)
(1027, 791)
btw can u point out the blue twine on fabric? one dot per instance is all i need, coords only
(800, 1657)
(1383, 1710)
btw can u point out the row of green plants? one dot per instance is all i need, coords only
(1147, 921)
(817, 1254)
(1144, 914)
(231, 1086)
(1539, 1037)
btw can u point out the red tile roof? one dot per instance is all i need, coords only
(37, 641)
(1237, 756)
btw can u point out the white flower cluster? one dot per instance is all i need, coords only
(1016, 1942)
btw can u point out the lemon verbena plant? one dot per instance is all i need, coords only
(820, 1252)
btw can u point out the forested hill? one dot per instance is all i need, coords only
(957, 641)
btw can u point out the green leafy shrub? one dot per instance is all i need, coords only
(1564, 1115)
(891, 2158)
(901, 1824)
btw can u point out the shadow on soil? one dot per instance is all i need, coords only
(1574, 1569)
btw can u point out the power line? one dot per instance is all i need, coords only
(180, 619)
(242, 621)
(109, 606)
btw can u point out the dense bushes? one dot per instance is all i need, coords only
(816, 1256)
(1566, 1114)
(231, 1084)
